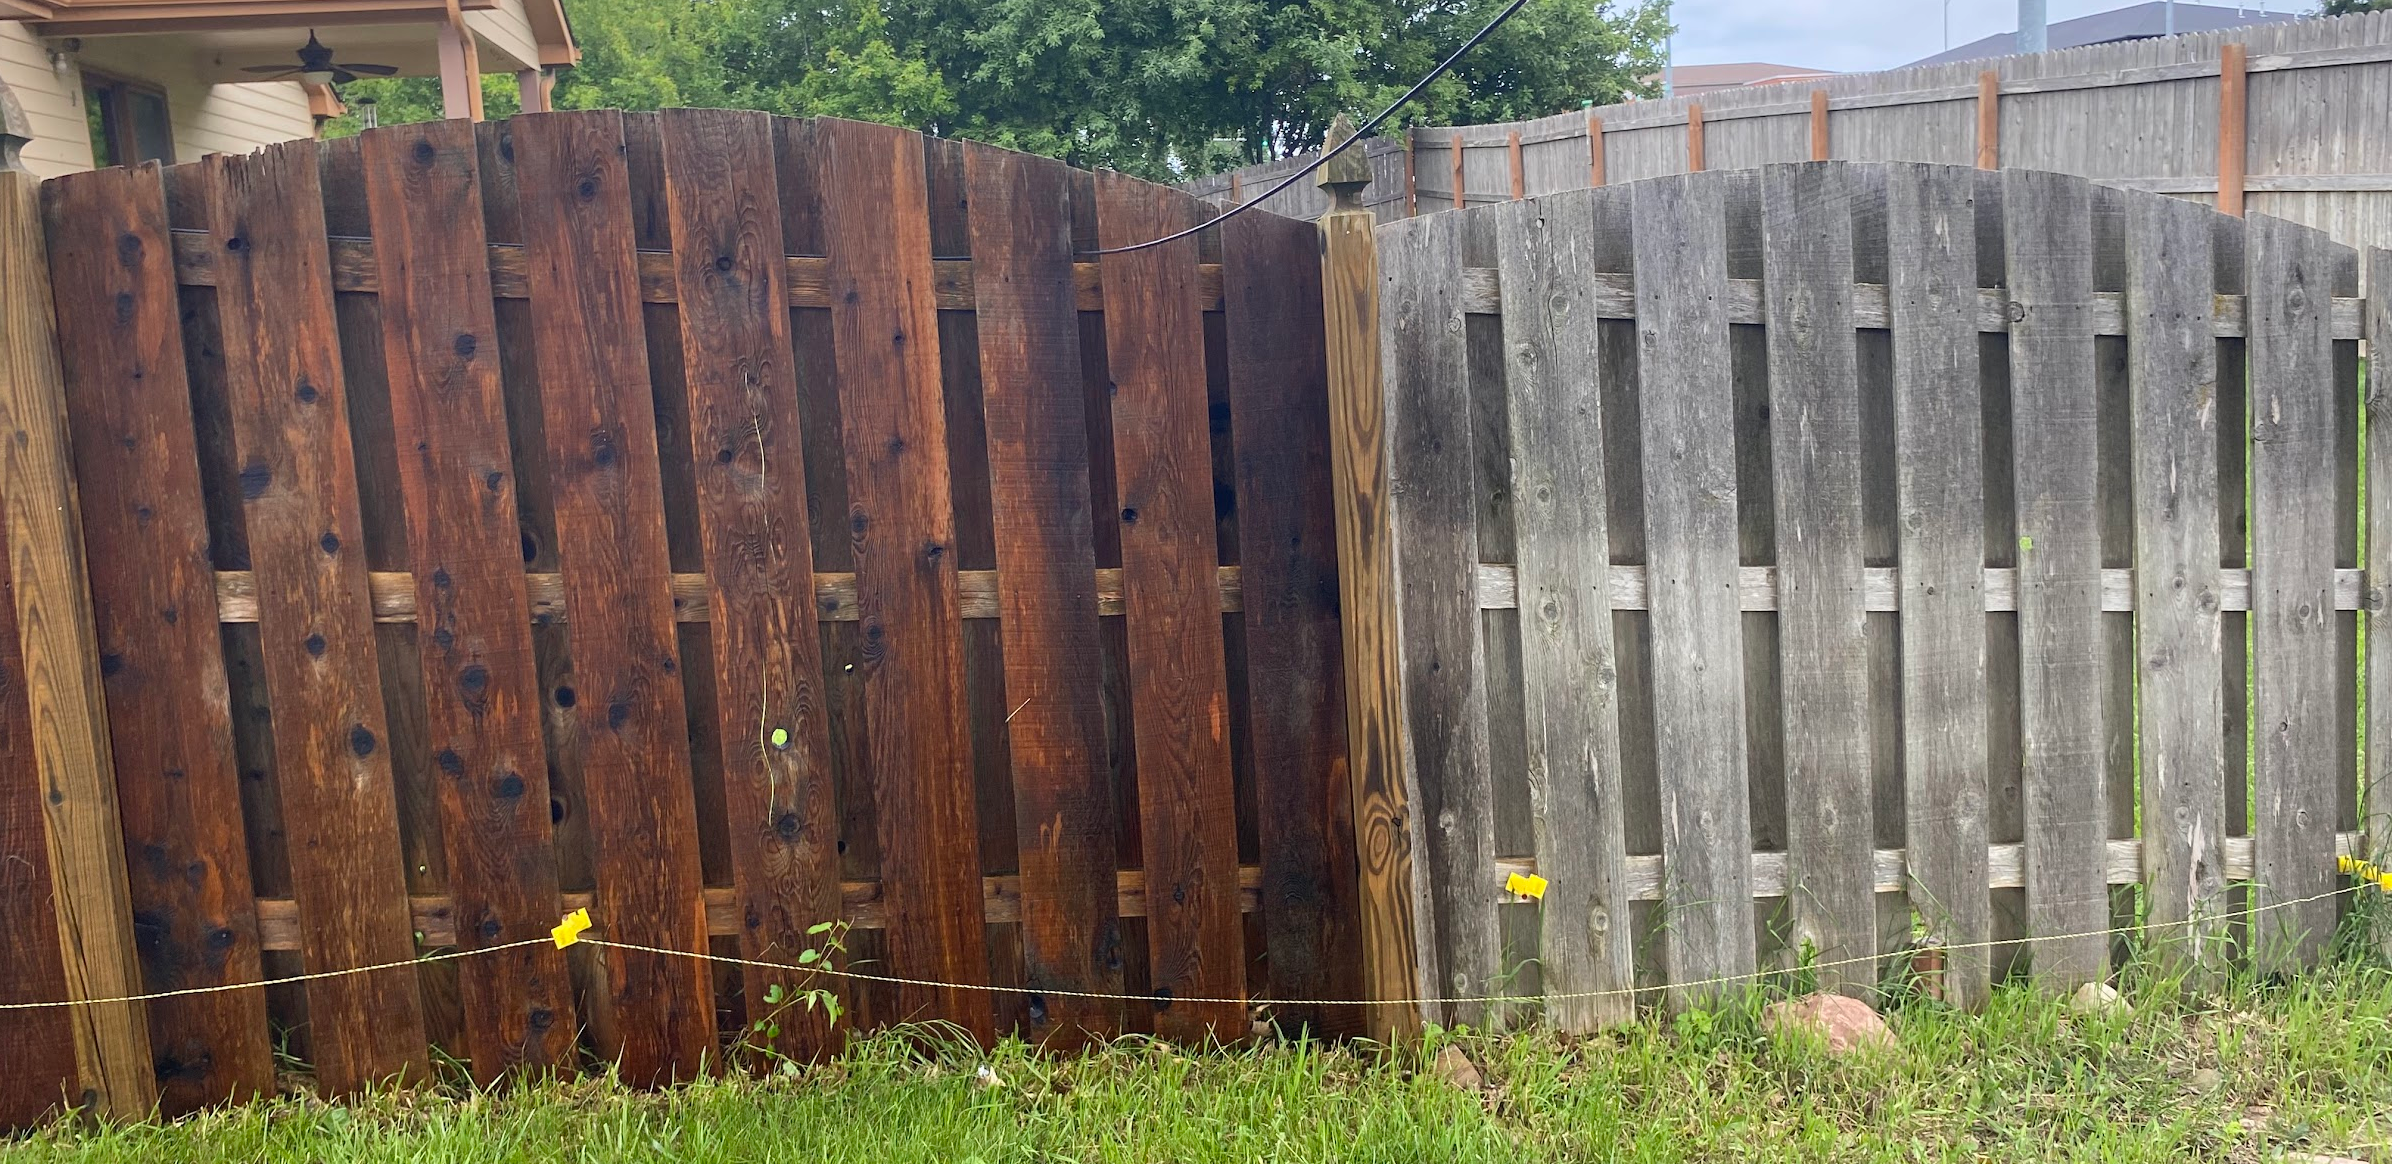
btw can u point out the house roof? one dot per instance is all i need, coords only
(1691, 79)
(2133, 22)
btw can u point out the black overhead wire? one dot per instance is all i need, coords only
(1340, 148)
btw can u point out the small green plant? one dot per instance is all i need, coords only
(763, 1034)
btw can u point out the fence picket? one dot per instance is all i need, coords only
(2173, 376)
(1691, 554)
(1287, 561)
(1038, 457)
(481, 691)
(146, 541)
(756, 536)
(1569, 679)
(2049, 260)
(1179, 699)
(885, 344)
(315, 620)
(2375, 810)
(2292, 568)
(655, 1014)
(38, 1045)
(1815, 406)
(1940, 483)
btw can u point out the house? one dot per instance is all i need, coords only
(102, 82)
(2133, 22)
(1693, 80)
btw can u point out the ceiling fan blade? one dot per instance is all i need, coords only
(371, 70)
(341, 75)
(273, 70)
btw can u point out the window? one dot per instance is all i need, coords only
(127, 121)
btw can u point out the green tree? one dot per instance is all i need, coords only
(2346, 7)
(1158, 88)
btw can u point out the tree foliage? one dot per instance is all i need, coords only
(2346, 7)
(1152, 87)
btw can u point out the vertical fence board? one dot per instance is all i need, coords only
(1179, 698)
(1940, 483)
(1038, 458)
(315, 620)
(2292, 575)
(1431, 471)
(1569, 677)
(758, 546)
(481, 691)
(146, 540)
(2049, 259)
(1287, 559)
(2376, 809)
(37, 1045)
(2173, 377)
(1815, 411)
(901, 517)
(657, 1019)
(1692, 573)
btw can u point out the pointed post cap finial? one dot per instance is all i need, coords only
(1346, 174)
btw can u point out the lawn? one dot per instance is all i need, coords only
(2252, 1071)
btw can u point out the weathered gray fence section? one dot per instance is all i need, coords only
(1821, 562)
(2315, 140)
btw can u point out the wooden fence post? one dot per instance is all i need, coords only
(61, 670)
(1519, 170)
(1392, 966)
(1989, 120)
(2234, 107)
(1461, 180)
(1819, 143)
(1594, 149)
(1694, 138)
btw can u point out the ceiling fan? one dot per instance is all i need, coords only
(316, 66)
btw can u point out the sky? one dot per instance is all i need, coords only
(1859, 35)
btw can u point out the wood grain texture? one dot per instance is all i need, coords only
(758, 545)
(1154, 340)
(1930, 225)
(901, 521)
(1690, 533)
(170, 730)
(1390, 902)
(61, 673)
(300, 505)
(1038, 458)
(1287, 550)
(1815, 411)
(2172, 369)
(481, 690)
(2048, 244)
(1434, 517)
(576, 212)
(2295, 665)
(37, 1045)
(1569, 680)
(2375, 808)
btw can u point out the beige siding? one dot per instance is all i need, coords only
(506, 36)
(207, 118)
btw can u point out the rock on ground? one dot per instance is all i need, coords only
(1844, 1024)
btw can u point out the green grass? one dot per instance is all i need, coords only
(2251, 1072)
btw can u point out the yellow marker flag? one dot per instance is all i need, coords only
(1527, 885)
(569, 930)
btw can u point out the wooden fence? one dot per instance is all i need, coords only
(724, 522)
(2282, 118)
(1801, 565)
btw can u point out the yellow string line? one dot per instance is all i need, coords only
(1465, 1000)
(443, 956)
(895, 980)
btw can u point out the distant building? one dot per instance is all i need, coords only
(1690, 80)
(2134, 22)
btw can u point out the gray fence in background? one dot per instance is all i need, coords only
(2317, 135)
